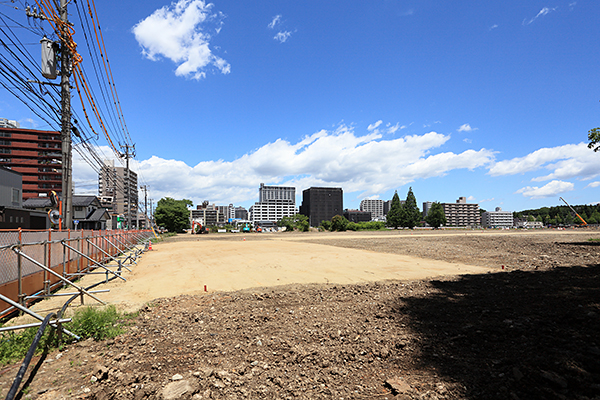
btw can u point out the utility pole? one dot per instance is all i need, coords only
(65, 135)
(129, 152)
(145, 189)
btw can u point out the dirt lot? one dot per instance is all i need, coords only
(522, 323)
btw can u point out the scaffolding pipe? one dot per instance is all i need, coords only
(64, 280)
(98, 264)
(34, 315)
(110, 256)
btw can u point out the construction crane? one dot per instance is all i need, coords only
(572, 209)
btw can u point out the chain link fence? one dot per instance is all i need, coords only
(21, 277)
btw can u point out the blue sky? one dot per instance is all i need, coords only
(488, 100)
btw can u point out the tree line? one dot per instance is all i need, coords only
(562, 215)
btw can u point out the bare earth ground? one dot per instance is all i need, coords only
(352, 316)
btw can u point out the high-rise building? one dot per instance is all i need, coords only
(118, 194)
(374, 206)
(426, 206)
(35, 154)
(274, 203)
(321, 204)
(461, 213)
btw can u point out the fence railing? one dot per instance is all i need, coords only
(35, 263)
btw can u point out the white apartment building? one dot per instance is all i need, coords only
(497, 219)
(275, 202)
(461, 213)
(375, 207)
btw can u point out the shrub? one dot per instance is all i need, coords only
(99, 324)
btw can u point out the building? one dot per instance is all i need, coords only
(274, 203)
(36, 154)
(497, 219)
(357, 215)
(88, 212)
(461, 213)
(523, 223)
(374, 206)
(321, 204)
(386, 207)
(240, 213)
(114, 189)
(269, 193)
(426, 206)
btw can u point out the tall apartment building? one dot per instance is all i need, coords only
(274, 203)
(36, 154)
(497, 219)
(114, 189)
(321, 204)
(461, 213)
(375, 207)
(426, 206)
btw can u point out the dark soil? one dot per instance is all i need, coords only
(529, 331)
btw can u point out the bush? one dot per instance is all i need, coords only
(87, 322)
(99, 324)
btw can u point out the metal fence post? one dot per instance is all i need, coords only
(20, 271)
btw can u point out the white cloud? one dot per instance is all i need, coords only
(467, 140)
(179, 32)
(374, 126)
(282, 37)
(326, 158)
(391, 129)
(276, 20)
(543, 11)
(471, 198)
(593, 185)
(565, 162)
(486, 200)
(493, 27)
(551, 189)
(466, 128)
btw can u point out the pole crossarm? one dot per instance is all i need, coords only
(49, 270)
(92, 260)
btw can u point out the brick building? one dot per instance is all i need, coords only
(36, 155)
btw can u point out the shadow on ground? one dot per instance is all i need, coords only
(517, 335)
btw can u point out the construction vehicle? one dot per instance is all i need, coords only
(198, 228)
(572, 209)
(246, 228)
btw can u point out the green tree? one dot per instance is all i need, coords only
(326, 225)
(394, 215)
(301, 222)
(287, 223)
(298, 221)
(339, 223)
(173, 214)
(594, 138)
(435, 216)
(412, 214)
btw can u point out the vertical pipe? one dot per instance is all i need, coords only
(46, 277)
(64, 264)
(20, 271)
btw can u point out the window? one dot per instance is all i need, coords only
(5, 134)
(16, 195)
(4, 151)
(5, 142)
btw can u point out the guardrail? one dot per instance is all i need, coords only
(33, 264)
